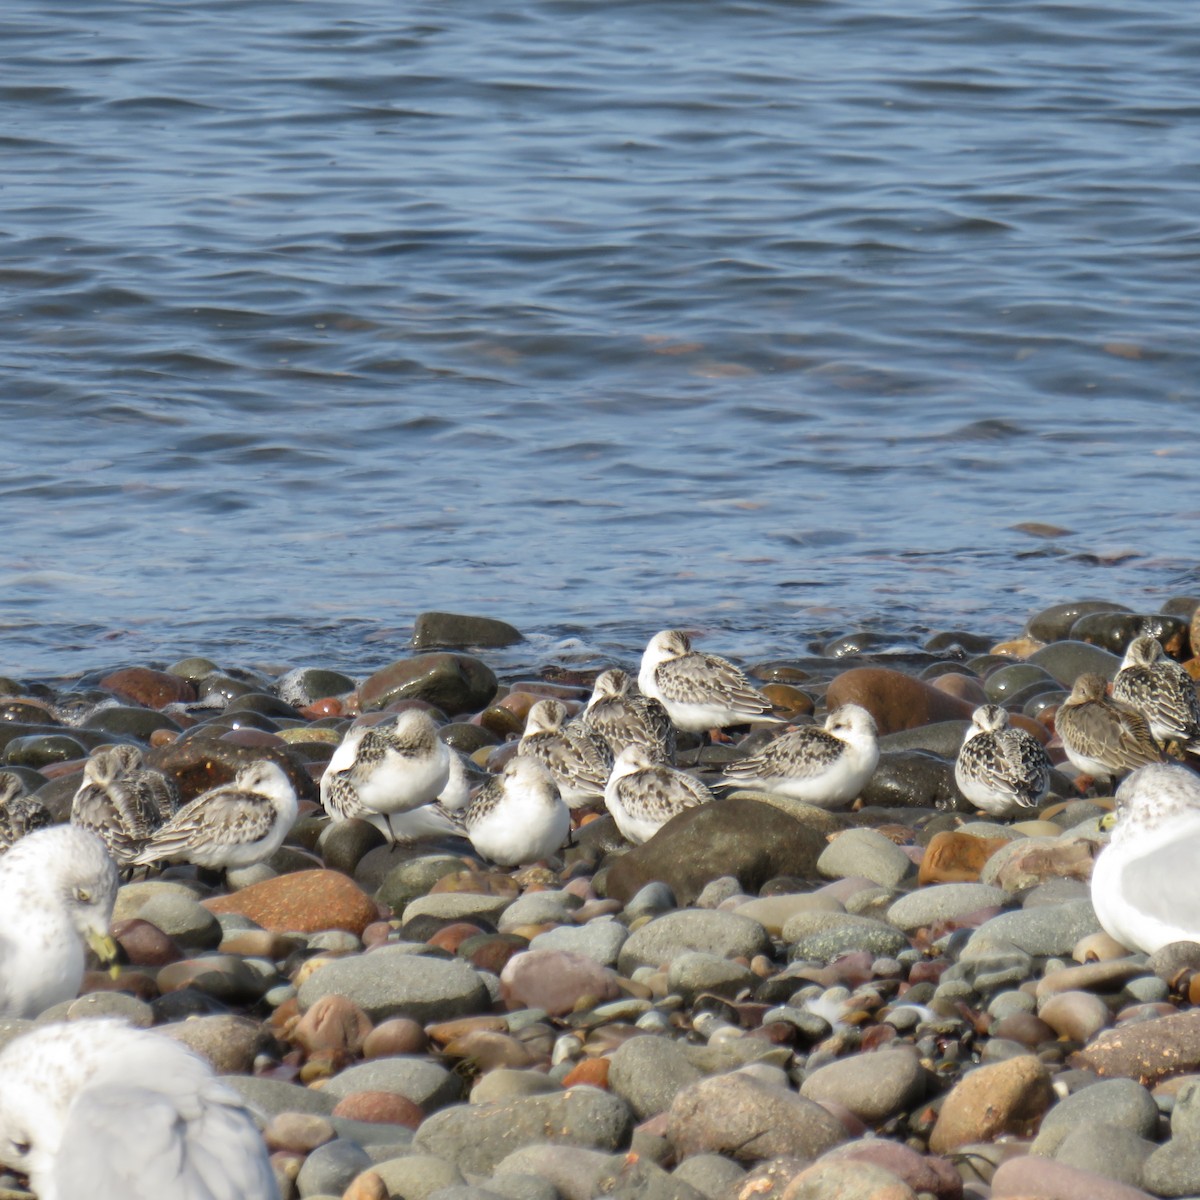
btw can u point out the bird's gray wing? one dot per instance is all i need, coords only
(226, 817)
(125, 1142)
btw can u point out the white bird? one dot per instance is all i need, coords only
(578, 759)
(827, 766)
(518, 816)
(1162, 691)
(643, 795)
(1000, 767)
(383, 770)
(234, 825)
(699, 691)
(122, 802)
(623, 717)
(57, 890)
(19, 814)
(98, 1109)
(1145, 886)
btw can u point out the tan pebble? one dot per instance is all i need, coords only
(1076, 1015)
(1018, 647)
(333, 1023)
(286, 1164)
(299, 1132)
(1098, 946)
(367, 1186)
(445, 1032)
(398, 1035)
(834, 1180)
(1106, 976)
(1005, 1097)
(953, 857)
(486, 1051)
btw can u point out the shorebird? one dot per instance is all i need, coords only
(578, 759)
(19, 814)
(518, 816)
(623, 717)
(57, 890)
(1145, 888)
(999, 766)
(234, 825)
(383, 771)
(1103, 739)
(827, 766)
(643, 795)
(98, 1108)
(1162, 691)
(699, 691)
(122, 802)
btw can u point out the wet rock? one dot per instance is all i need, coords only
(1004, 683)
(454, 683)
(302, 902)
(343, 844)
(304, 685)
(867, 854)
(453, 630)
(151, 689)
(749, 1121)
(1005, 1097)
(873, 1086)
(120, 721)
(557, 981)
(749, 840)
(394, 982)
(1066, 661)
(1053, 624)
(199, 763)
(896, 701)
(943, 738)
(911, 779)
(39, 750)
(712, 932)
(476, 1138)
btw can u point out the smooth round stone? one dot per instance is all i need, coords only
(403, 882)
(123, 721)
(343, 844)
(331, 1168)
(822, 937)
(718, 892)
(556, 982)
(1121, 1102)
(224, 977)
(711, 931)
(301, 1133)
(1066, 661)
(942, 738)
(455, 631)
(424, 1083)
(454, 683)
(457, 906)
(301, 686)
(1003, 1097)
(1009, 1004)
(648, 1072)
(1173, 1169)
(1053, 624)
(872, 1086)
(193, 669)
(694, 973)
(1044, 687)
(183, 918)
(995, 966)
(942, 902)
(773, 912)
(417, 1175)
(538, 908)
(865, 853)
(713, 1175)
(1003, 684)
(600, 939)
(1148, 989)
(43, 749)
(274, 1096)
(1039, 931)
(652, 900)
(911, 779)
(1110, 1150)
(111, 1004)
(340, 941)
(1076, 1015)
(505, 1083)
(1024, 1029)
(230, 1043)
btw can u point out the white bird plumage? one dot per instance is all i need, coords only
(578, 759)
(518, 816)
(643, 795)
(1000, 767)
(1162, 691)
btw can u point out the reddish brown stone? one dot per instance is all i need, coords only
(386, 1108)
(1003, 1097)
(303, 901)
(399, 1035)
(953, 857)
(896, 701)
(1147, 1050)
(556, 981)
(151, 689)
(961, 687)
(333, 1023)
(145, 945)
(199, 763)
(790, 701)
(1032, 1177)
(445, 1032)
(450, 937)
(591, 1070)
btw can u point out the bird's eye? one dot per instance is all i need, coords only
(83, 895)
(18, 1146)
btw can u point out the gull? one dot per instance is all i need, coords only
(699, 691)
(1145, 888)
(999, 766)
(827, 765)
(100, 1109)
(518, 816)
(1162, 691)
(1103, 739)
(381, 771)
(623, 717)
(57, 890)
(643, 795)
(122, 802)
(19, 814)
(234, 825)
(578, 759)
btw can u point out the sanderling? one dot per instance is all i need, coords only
(57, 890)
(1162, 691)
(98, 1108)
(699, 691)
(578, 759)
(643, 795)
(234, 825)
(379, 771)
(1144, 882)
(1000, 767)
(1103, 739)
(518, 816)
(122, 802)
(623, 717)
(827, 766)
(19, 814)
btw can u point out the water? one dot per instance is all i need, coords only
(771, 319)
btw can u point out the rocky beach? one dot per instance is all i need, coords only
(766, 999)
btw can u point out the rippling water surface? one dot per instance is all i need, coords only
(774, 319)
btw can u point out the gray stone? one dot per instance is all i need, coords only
(637, 1177)
(911, 779)
(1173, 1169)
(457, 906)
(512, 1185)
(456, 631)
(183, 918)
(648, 1071)
(716, 892)
(230, 1043)
(600, 940)
(1043, 932)
(651, 900)
(872, 1086)
(824, 936)
(1067, 660)
(866, 854)
(417, 1176)
(711, 931)
(478, 1137)
(1121, 1102)
(424, 1083)
(538, 908)
(506, 1083)
(331, 1168)
(942, 738)
(694, 973)
(400, 883)
(574, 1171)
(394, 982)
(942, 902)
(713, 1175)
(274, 1096)
(1110, 1150)
(112, 1004)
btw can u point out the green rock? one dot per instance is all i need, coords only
(127, 721)
(455, 683)
(40, 749)
(452, 629)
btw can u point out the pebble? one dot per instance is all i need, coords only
(600, 940)
(873, 1087)
(942, 903)
(556, 981)
(865, 853)
(648, 1072)
(1004, 1097)
(711, 931)
(425, 1083)
(822, 937)
(1030, 1178)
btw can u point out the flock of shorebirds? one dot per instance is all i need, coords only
(68, 1098)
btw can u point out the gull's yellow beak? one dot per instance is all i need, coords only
(105, 949)
(1108, 822)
